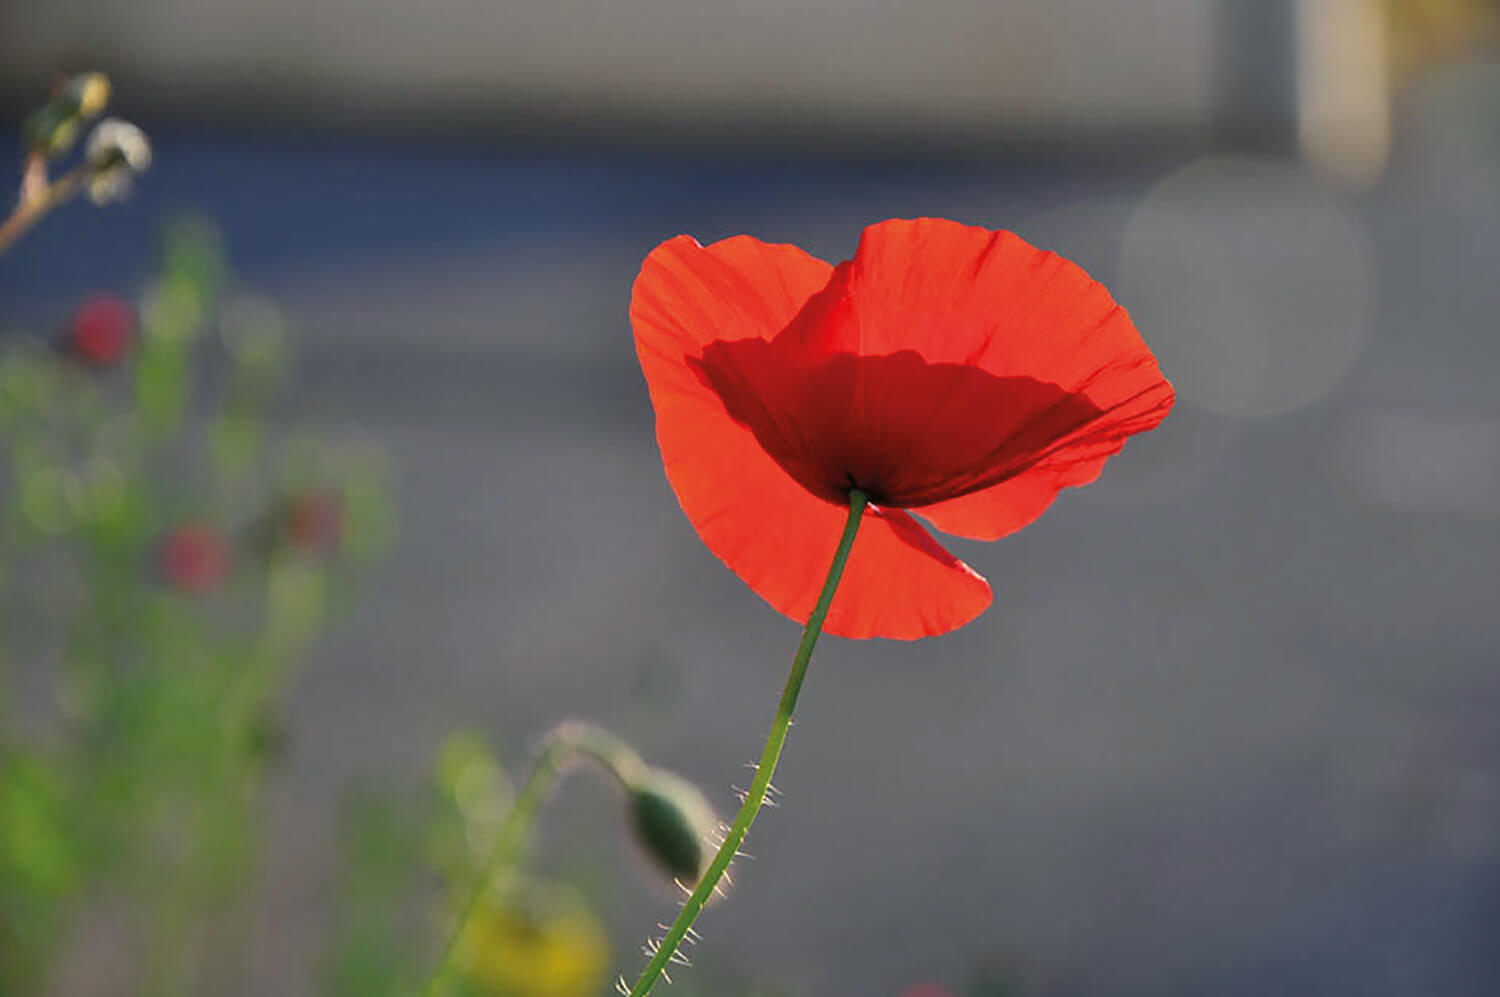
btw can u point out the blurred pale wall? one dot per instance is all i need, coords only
(1067, 65)
(1309, 72)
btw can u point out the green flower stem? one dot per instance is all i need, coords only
(667, 947)
(565, 743)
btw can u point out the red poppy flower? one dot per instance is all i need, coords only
(100, 330)
(195, 558)
(946, 370)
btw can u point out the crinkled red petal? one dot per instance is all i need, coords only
(770, 530)
(1055, 375)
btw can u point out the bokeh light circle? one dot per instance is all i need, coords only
(1254, 287)
(1451, 132)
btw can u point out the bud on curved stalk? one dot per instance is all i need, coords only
(673, 821)
(669, 817)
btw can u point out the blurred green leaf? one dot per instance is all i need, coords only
(35, 842)
(45, 499)
(193, 250)
(146, 794)
(377, 951)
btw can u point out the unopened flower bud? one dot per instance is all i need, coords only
(52, 129)
(89, 93)
(672, 821)
(100, 330)
(195, 558)
(313, 521)
(117, 152)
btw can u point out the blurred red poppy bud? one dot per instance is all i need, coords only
(673, 821)
(100, 330)
(927, 990)
(195, 558)
(314, 520)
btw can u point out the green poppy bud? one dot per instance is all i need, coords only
(672, 821)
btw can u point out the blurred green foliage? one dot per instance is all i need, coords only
(166, 554)
(168, 548)
(530, 937)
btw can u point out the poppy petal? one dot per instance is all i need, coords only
(770, 530)
(901, 583)
(959, 296)
(738, 288)
(1002, 509)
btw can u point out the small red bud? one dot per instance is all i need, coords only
(314, 521)
(195, 558)
(100, 330)
(927, 990)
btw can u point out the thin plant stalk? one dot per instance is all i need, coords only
(566, 742)
(666, 949)
(38, 198)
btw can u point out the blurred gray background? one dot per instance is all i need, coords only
(1230, 726)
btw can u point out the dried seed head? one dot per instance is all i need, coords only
(117, 152)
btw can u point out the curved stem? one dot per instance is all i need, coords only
(666, 949)
(38, 199)
(565, 742)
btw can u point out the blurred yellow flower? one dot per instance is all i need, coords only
(1426, 31)
(535, 942)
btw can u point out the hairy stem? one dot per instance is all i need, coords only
(666, 949)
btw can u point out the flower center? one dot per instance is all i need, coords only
(903, 430)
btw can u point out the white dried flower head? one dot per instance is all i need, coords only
(109, 186)
(116, 142)
(118, 151)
